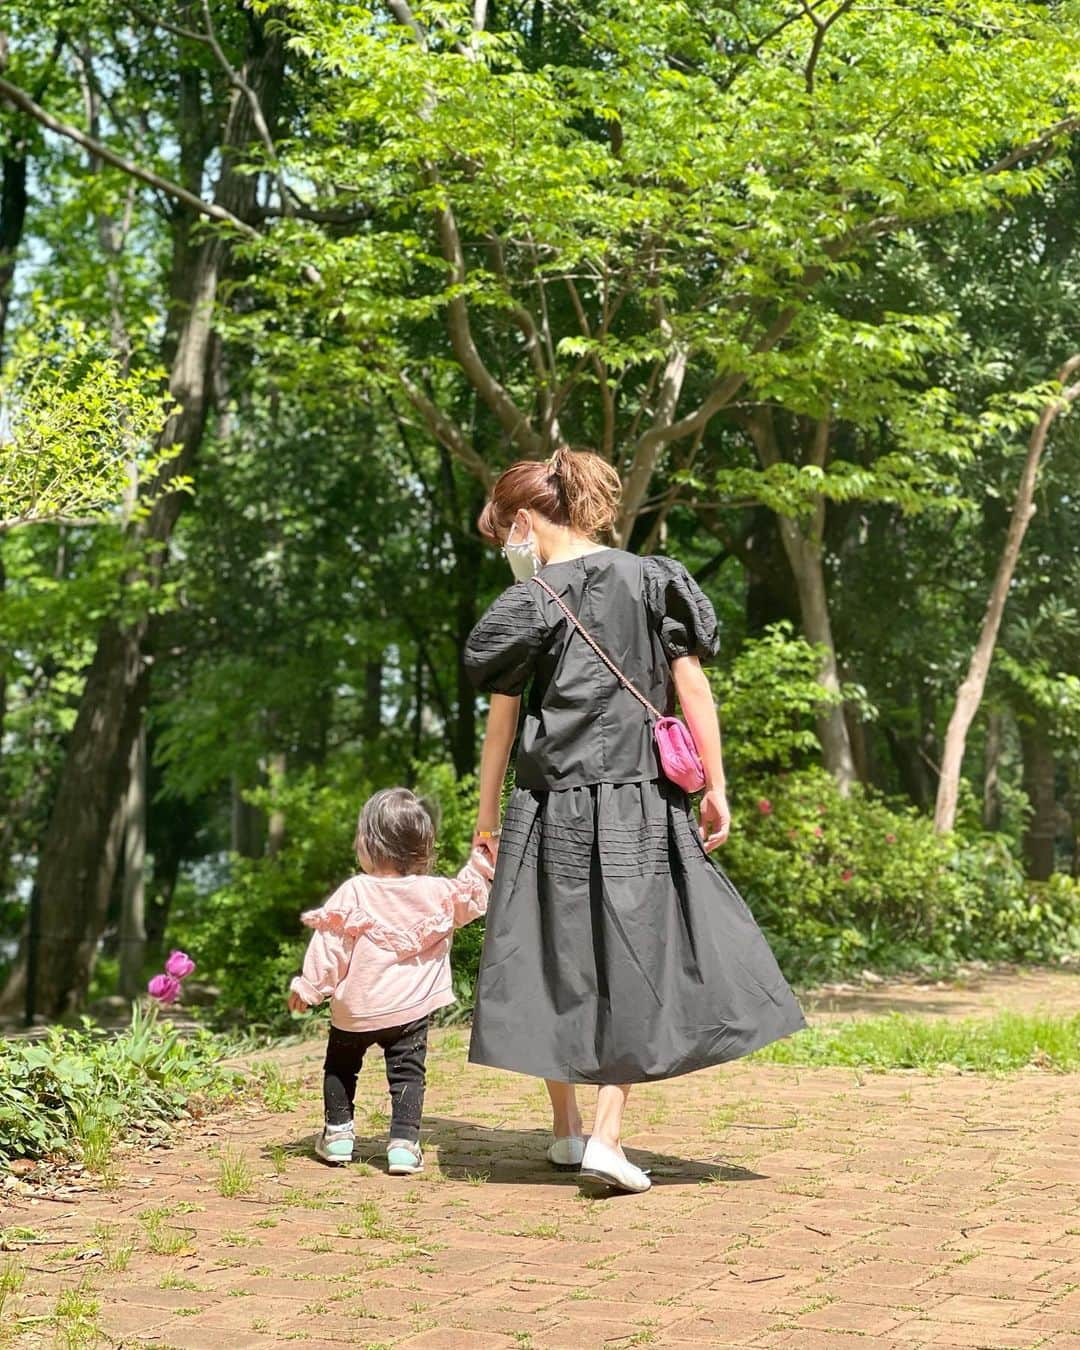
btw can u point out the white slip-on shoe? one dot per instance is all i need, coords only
(566, 1153)
(603, 1164)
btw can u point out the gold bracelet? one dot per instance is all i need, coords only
(488, 834)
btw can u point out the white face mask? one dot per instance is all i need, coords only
(522, 559)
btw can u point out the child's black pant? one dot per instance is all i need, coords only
(405, 1049)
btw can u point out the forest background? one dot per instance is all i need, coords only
(284, 286)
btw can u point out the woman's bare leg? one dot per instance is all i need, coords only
(565, 1116)
(610, 1101)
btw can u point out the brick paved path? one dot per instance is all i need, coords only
(792, 1207)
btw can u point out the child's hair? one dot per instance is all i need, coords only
(573, 487)
(397, 831)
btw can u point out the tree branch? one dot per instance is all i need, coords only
(20, 99)
(445, 430)
(821, 29)
(510, 417)
(607, 401)
(1065, 127)
(526, 322)
(258, 119)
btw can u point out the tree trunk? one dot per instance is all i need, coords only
(247, 825)
(804, 546)
(373, 693)
(911, 767)
(862, 750)
(991, 812)
(468, 557)
(804, 554)
(82, 842)
(1073, 802)
(970, 693)
(133, 904)
(418, 710)
(78, 854)
(463, 745)
(5, 804)
(771, 596)
(13, 204)
(1039, 782)
(275, 824)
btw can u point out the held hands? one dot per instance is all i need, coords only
(296, 1003)
(715, 817)
(486, 843)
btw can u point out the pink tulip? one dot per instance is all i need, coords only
(165, 988)
(179, 965)
(765, 806)
(846, 874)
(818, 831)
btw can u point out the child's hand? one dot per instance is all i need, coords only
(483, 864)
(296, 1003)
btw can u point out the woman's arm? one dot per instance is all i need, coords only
(495, 756)
(695, 697)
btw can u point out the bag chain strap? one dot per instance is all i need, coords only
(597, 649)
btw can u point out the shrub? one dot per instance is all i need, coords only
(78, 1089)
(770, 696)
(843, 883)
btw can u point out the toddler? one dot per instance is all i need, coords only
(381, 953)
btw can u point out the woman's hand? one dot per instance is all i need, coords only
(296, 1003)
(486, 841)
(715, 817)
(498, 738)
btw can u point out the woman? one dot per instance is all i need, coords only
(614, 952)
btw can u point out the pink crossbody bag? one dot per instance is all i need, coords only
(679, 757)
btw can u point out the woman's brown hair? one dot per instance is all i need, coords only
(574, 487)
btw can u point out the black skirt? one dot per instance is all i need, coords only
(614, 950)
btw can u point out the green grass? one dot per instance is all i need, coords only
(279, 1093)
(96, 1137)
(75, 1318)
(11, 1281)
(235, 1176)
(1008, 1041)
(116, 1256)
(174, 1281)
(160, 1239)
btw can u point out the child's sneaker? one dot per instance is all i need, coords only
(335, 1144)
(404, 1158)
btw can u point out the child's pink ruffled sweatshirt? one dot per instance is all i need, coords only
(381, 946)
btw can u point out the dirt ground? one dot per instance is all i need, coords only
(970, 992)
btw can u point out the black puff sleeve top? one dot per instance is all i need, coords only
(581, 726)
